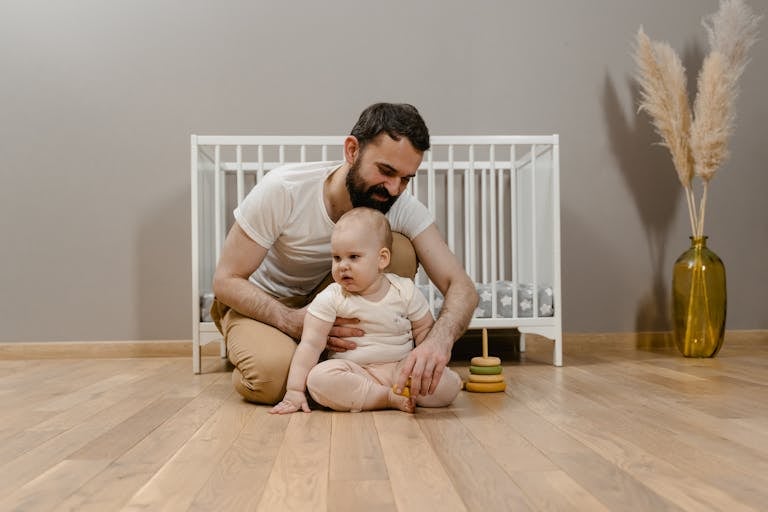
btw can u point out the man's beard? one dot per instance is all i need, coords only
(362, 197)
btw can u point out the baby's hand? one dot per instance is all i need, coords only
(291, 402)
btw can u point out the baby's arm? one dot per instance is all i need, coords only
(421, 327)
(313, 340)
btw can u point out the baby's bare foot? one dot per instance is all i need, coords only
(402, 403)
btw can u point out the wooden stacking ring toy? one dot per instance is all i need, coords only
(485, 372)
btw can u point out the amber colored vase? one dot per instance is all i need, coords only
(699, 300)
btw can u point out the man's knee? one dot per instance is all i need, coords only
(262, 356)
(258, 390)
(403, 261)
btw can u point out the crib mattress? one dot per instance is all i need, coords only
(505, 301)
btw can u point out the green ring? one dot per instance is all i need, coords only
(485, 370)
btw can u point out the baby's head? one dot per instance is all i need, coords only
(361, 246)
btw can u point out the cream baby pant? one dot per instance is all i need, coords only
(344, 385)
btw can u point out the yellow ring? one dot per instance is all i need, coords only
(486, 378)
(485, 387)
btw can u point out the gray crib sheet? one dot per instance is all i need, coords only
(505, 292)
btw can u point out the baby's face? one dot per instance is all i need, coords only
(356, 256)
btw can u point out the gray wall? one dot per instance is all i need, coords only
(99, 99)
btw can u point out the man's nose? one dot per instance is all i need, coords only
(392, 184)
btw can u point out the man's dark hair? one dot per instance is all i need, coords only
(396, 120)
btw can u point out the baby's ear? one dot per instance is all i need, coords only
(384, 257)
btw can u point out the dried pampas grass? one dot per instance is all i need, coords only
(698, 141)
(714, 117)
(664, 97)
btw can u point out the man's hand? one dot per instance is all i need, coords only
(424, 365)
(343, 328)
(291, 402)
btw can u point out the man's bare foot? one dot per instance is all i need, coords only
(402, 403)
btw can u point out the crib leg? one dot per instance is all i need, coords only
(196, 359)
(522, 342)
(557, 351)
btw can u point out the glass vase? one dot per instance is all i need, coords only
(699, 300)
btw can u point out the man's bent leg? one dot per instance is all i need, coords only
(261, 354)
(403, 261)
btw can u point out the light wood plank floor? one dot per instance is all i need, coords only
(623, 426)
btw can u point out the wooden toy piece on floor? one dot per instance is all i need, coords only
(486, 378)
(406, 391)
(485, 372)
(485, 387)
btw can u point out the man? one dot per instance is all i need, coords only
(276, 257)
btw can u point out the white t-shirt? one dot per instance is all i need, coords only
(285, 214)
(387, 323)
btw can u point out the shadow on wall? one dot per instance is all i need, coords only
(650, 175)
(163, 271)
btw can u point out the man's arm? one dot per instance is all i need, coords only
(240, 257)
(425, 364)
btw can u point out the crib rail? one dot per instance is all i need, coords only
(495, 199)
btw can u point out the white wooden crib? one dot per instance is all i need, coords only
(494, 198)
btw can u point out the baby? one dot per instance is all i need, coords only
(392, 313)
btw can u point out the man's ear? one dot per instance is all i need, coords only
(384, 258)
(351, 149)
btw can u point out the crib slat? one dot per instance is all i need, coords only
(513, 200)
(470, 226)
(451, 212)
(240, 176)
(500, 219)
(534, 244)
(260, 168)
(484, 204)
(431, 185)
(493, 215)
(467, 260)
